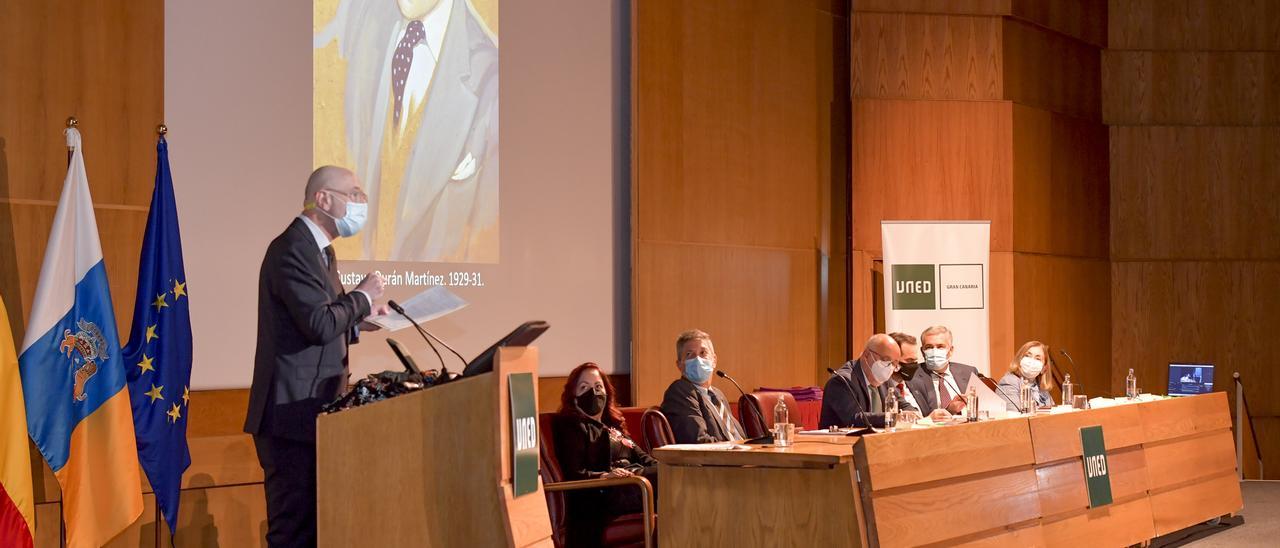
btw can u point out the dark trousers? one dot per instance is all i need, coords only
(289, 468)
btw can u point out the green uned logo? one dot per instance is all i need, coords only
(915, 287)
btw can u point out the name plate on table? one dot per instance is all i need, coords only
(1097, 479)
(524, 434)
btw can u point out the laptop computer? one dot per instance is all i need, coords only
(1190, 379)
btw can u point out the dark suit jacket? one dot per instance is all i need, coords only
(692, 418)
(922, 385)
(844, 407)
(305, 321)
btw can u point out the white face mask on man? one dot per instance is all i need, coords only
(935, 358)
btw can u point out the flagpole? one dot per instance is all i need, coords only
(161, 130)
(72, 122)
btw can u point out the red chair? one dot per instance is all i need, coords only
(624, 531)
(632, 415)
(656, 430)
(755, 411)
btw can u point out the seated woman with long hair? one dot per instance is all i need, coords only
(591, 441)
(1030, 366)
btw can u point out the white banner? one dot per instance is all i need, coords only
(936, 273)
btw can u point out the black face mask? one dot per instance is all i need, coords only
(590, 403)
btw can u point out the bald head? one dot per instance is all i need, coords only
(885, 346)
(327, 178)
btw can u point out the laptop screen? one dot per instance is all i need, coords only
(1189, 379)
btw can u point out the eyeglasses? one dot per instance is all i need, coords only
(355, 195)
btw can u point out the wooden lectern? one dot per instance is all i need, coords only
(431, 468)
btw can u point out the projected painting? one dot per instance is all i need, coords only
(406, 95)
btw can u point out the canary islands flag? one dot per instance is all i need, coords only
(158, 356)
(73, 377)
(17, 506)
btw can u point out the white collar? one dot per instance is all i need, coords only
(322, 239)
(434, 24)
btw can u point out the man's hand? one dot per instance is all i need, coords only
(378, 310)
(940, 415)
(908, 416)
(956, 405)
(372, 285)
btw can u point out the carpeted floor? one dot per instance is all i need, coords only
(1261, 525)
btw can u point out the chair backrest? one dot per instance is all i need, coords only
(656, 430)
(631, 416)
(755, 411)
(550, 472)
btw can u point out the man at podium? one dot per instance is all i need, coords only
(305, 322)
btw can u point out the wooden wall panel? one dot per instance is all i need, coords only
(1061, 191)
(1192, 88)
(1194, 192)
(223, 516)
(1064, 302)
(738, 121)
(758, 305)
(1084, 20)
(1205, 25)
(932, 160)
(726, 125)
(911, 56)
(1051, 71)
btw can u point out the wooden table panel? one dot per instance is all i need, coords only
(1120, 524)
(1058, 436)
(1194, 503)
(1175, 462)
(955, 508)
(1030, 536)
(801, 455)
(1062, 488)
(744, 506)
(922, 455)
(1177, 417)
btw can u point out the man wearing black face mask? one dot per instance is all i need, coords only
(591, 441)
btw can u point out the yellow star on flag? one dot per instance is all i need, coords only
(174, 413)
(146, 362)
(154, 393)
(186, 395)
(179, 290)
(160, 302)
(151, 333)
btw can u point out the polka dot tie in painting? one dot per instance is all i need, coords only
(401, 62)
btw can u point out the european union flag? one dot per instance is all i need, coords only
(159, 351)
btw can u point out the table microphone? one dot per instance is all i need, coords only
(1069, 358)
(426, 334)
(720, 373)
(1002, 394)
(444, 371)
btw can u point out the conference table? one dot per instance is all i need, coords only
(1012, 481)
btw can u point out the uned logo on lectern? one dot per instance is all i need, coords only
(526, 434)
(914, 287)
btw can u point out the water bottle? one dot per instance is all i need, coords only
(781, 424)
(971, 405)
(891, 411)
(1131, 385)
(1028, 398)
(1068, 390)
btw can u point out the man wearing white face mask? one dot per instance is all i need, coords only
(942, 384)
(1029, 367)
(697, 411)
(855, 395)
(305, 323)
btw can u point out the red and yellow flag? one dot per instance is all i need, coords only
(17, 506)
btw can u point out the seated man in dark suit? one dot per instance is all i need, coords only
(855, 395)
(940, 389)
(697, 411)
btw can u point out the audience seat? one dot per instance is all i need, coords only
(623, 531)
(755, 411)
(656, 431)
